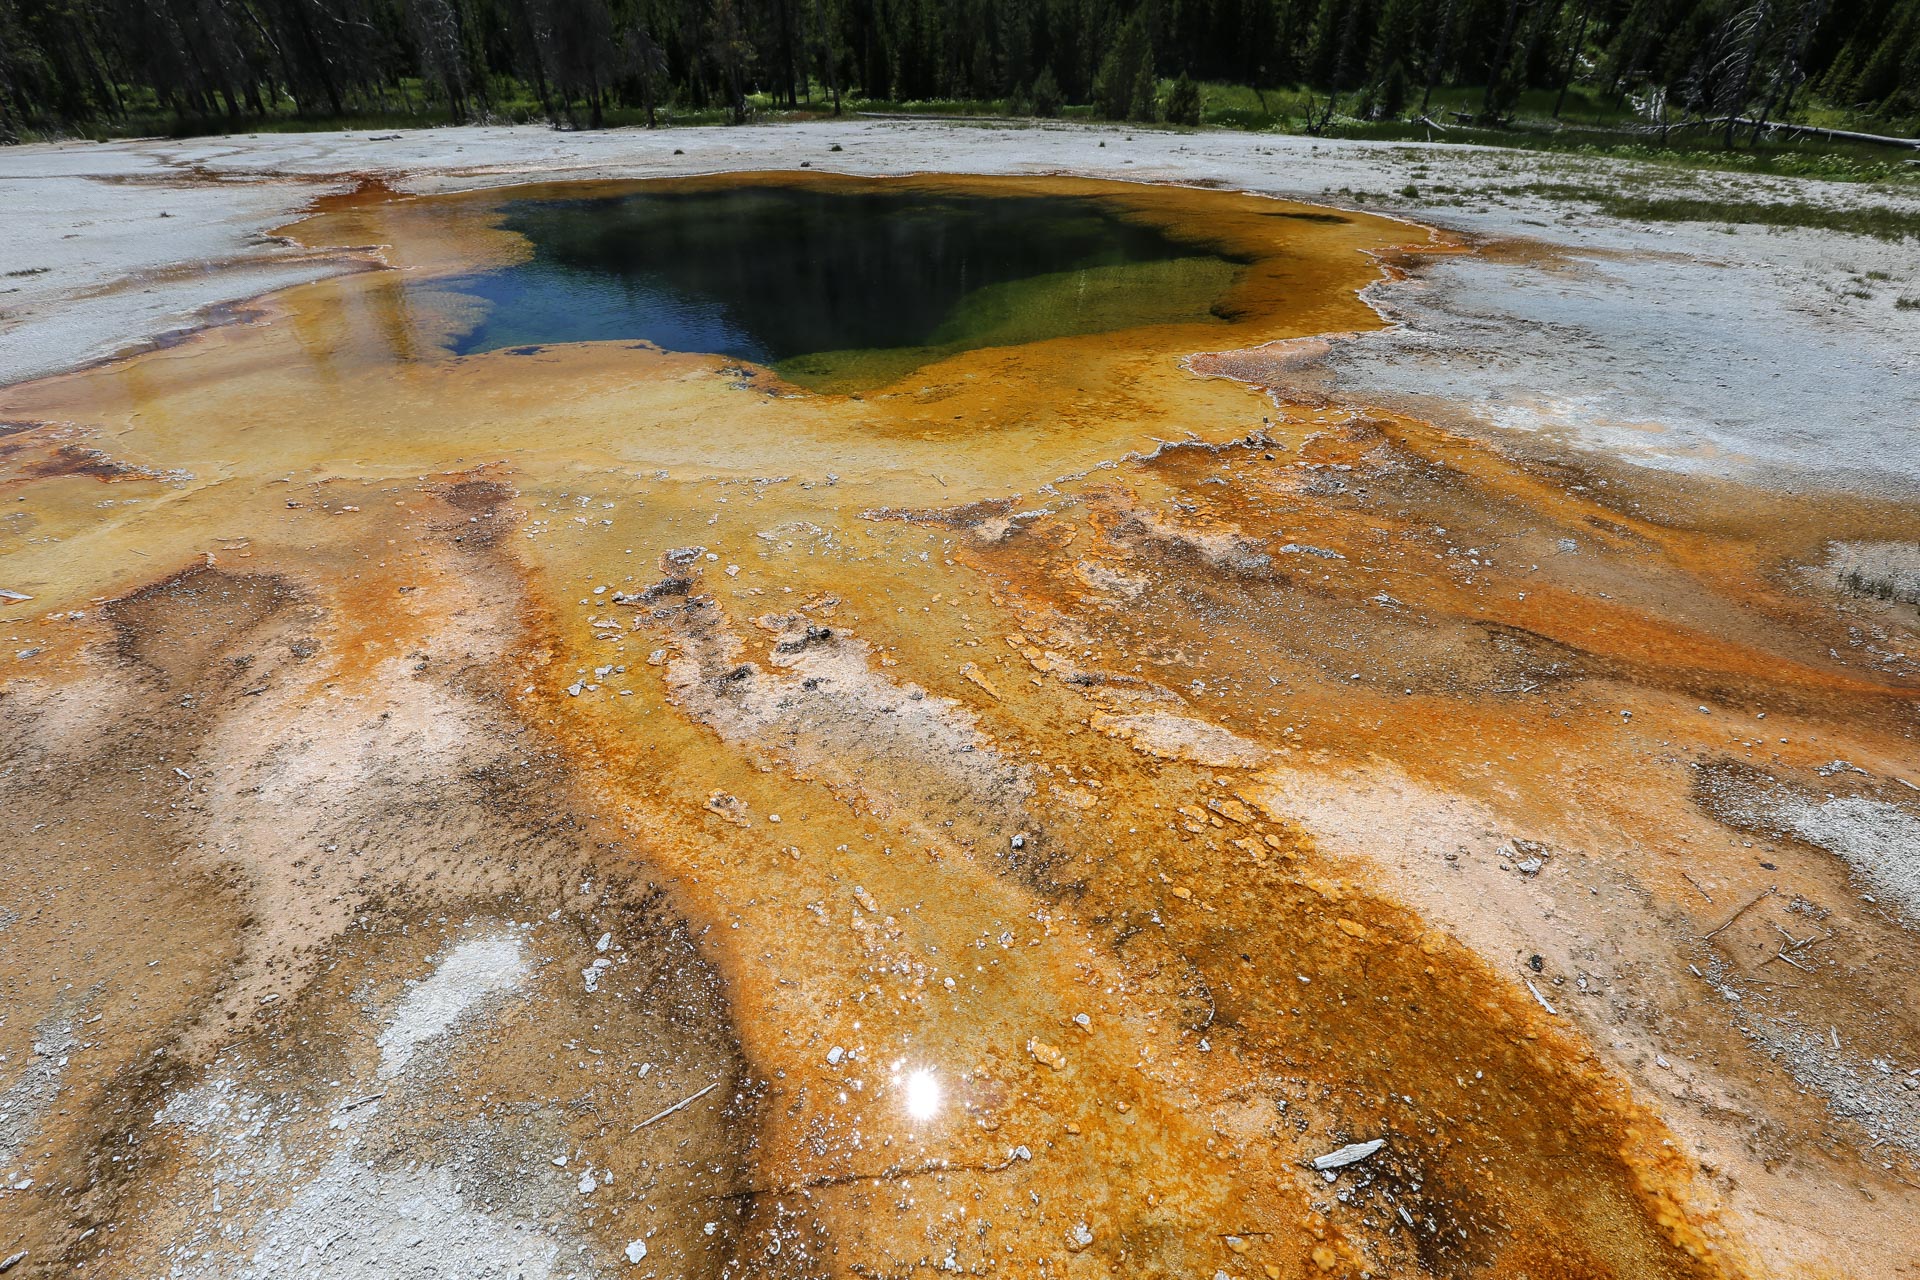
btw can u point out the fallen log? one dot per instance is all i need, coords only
(1836, 135)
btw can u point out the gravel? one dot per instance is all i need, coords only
(1880, 841)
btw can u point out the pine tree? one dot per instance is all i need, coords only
(1127, 68)
(1183, 101)
(1046, 95)
(71, 64)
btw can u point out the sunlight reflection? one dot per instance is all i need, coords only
(923, 1095)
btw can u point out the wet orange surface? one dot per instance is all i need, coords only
(1015, 777)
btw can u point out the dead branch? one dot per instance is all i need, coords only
(1768, 892)
(684, 1102)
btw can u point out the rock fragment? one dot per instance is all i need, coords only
(1046, 1054)
(1352, 1153)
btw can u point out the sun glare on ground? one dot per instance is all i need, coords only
(923, 1095)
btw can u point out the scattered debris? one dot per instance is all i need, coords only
(1794, 945)
(591, 974)
(1525, 856)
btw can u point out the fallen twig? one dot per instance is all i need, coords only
(894, 1173)
(1793, 944)
(1768, 892)
(684, 1102)
(1696, 884)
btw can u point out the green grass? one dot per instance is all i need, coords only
(1285, 109)
(1588, 126)
(1879, 223)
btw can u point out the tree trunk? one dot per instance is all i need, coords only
(1573, 53)
(787, 52)
(1733, 102)
(1497, 69)
(316, 60)
(1441, 38)
(1788, 75)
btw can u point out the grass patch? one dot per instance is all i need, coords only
(1886, 584)
(1878, 223)
(1588, 126)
